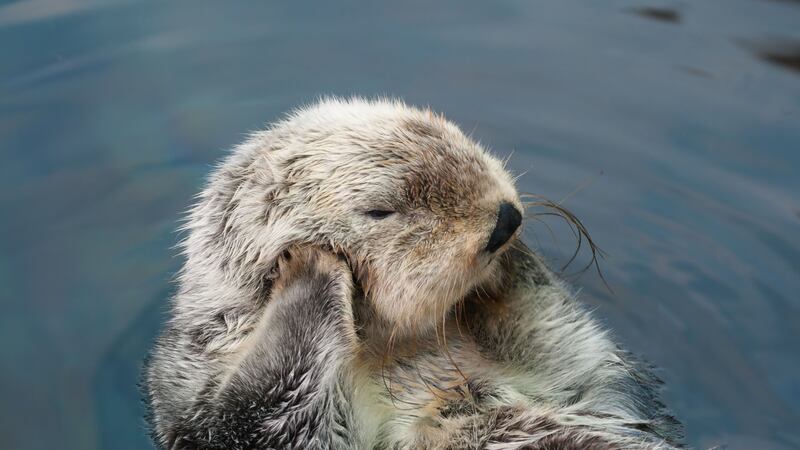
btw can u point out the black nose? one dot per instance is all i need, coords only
(508, 220)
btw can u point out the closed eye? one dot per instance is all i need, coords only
(379, 213)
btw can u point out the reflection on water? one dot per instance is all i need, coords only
(668, 15)
(112, 112)
(784, 54)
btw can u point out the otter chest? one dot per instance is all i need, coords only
(433, 393)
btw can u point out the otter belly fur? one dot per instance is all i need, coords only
(354, 278)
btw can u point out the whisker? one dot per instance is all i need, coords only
(388, 385)
(518, 176)
(575, 225)
(580, 187)
(447, 351)
(458, 311)
(508, 158)
(549, 228)
(425, 381)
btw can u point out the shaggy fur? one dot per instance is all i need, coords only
(337, 293)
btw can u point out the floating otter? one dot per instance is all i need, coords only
(354, 278)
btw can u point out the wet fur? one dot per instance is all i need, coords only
(405, 338)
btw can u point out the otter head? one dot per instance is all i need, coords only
(419, 210)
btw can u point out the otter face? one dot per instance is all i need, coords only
(419, 210)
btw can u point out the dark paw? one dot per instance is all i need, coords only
(316, 288)
(307, 262)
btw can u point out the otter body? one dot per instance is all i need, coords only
(354, 279)
(525, 367)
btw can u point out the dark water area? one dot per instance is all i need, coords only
(674, 137)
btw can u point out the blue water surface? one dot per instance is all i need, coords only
(672, 132)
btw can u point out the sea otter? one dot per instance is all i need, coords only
(355, 278)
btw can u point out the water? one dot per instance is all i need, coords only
(683, 128)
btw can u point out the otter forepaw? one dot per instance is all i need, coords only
(319, 285)
(308, 261)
